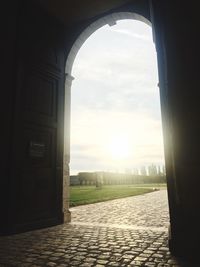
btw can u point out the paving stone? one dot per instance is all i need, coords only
(121, 233)
(114, 264)
(149, 210)
(51, 264)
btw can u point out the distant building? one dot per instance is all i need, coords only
(74, 180)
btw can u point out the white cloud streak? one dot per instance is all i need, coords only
(134, 35)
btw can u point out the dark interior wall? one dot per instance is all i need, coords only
(177, 31)
(9, 18)
(34, 110)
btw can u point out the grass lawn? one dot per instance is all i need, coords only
(80, 195)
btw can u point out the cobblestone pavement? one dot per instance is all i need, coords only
(148, 210)
(93, 245)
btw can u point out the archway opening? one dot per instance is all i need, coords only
(116, 132)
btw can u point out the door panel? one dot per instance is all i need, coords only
(37, 177)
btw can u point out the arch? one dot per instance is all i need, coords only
(111, 20)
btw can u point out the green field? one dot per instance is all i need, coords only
(80, 195)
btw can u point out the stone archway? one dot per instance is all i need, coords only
(111, 20)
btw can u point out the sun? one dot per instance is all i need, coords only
(118, 147)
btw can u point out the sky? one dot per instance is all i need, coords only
(115, 105)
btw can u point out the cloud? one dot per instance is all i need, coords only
(115, 92)
(134, 35)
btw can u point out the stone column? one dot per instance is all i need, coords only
(66, 173)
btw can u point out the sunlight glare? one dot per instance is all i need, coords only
(119, 147)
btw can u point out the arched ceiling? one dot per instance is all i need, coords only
(75, 10)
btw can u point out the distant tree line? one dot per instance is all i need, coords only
(110, 178)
